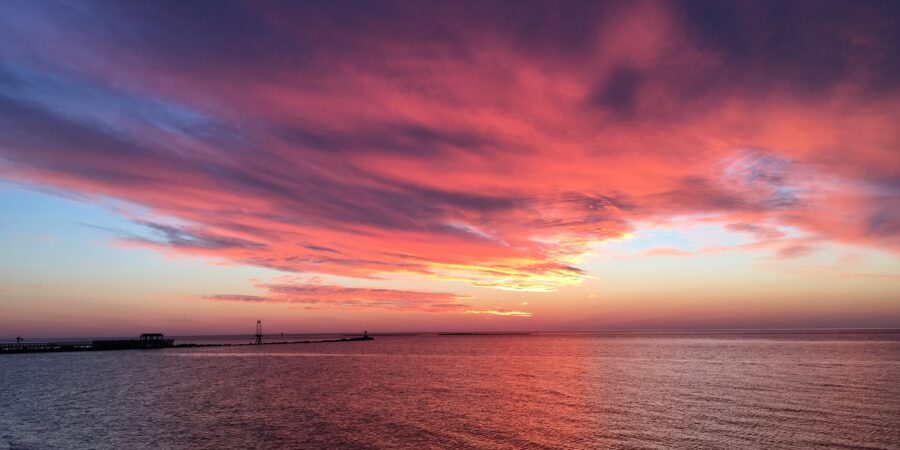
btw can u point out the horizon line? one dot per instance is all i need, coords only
(508, 332)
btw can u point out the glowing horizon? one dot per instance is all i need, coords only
(192, 168)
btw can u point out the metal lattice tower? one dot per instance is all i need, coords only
(258, 332)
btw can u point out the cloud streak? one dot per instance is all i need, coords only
(319, 295)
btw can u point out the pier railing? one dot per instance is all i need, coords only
(74, 346)
(46, 346)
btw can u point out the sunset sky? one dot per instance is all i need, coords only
(191, 167)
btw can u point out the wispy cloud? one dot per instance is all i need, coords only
(317, 294)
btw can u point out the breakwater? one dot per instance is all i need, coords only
(322, 341)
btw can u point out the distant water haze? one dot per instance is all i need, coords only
(680, 390)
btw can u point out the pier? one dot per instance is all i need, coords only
(145, 341)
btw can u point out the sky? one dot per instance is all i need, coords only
(192, 167)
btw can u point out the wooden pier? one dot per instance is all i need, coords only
(145, 341)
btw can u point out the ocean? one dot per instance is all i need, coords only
(657, 390)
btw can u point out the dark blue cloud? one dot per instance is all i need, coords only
(618, 93)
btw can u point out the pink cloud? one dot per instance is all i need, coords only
(457, 149)
(316, 294)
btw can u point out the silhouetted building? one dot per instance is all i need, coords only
(146, 340)
(153, 340)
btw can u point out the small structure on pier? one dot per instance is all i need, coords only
(153, 340)
(258, 332)
(146, 340)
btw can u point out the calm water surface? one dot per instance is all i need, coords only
(574, 390)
